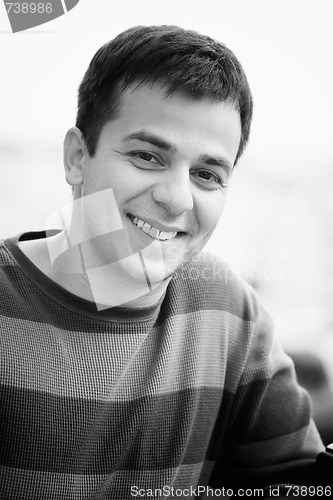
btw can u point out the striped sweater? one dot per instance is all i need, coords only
(97, 405)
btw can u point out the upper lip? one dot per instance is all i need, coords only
(159, 225)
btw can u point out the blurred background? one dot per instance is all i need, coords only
(277, 229)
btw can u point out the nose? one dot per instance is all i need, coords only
(174, 191)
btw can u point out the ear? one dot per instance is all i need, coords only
(74, 152)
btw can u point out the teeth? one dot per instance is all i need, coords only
(146, 227)
(152, 231)
(163, 235)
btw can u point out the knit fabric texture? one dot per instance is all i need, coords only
(96, 405)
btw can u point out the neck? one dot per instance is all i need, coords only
(78, 270)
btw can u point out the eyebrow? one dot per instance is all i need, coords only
(160, 143)
(156, 141)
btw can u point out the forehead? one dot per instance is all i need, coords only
(151, 99)
(178, 118)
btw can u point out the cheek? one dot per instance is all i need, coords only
(99, 178)
(209, 212)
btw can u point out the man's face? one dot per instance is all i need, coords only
(167, 160)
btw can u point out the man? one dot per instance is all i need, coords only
(131, 364)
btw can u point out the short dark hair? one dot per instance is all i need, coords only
(184, 60)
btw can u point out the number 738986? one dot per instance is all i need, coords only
(29, 8)
(307, 491)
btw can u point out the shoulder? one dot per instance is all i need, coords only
(9, 266)
(6, 258)
(9, 283)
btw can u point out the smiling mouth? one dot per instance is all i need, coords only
(153, 231)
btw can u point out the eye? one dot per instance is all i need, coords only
(146, 158)
(208, 176)
(209, 179)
